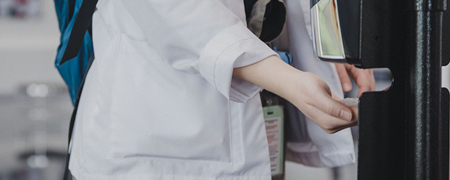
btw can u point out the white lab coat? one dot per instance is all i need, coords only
(160, 101)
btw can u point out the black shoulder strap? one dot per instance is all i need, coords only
(81, 25)
(67, 175)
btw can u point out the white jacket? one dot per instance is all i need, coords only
(160, 101)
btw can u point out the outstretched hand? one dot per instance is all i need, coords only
(307, 91)
(318, 103)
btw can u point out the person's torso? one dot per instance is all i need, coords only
(142, 116)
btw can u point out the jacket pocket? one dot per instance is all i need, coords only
(163, 113)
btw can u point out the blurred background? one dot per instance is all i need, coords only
(35, 107)
(34, 104)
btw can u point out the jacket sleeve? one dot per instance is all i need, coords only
(204, 37)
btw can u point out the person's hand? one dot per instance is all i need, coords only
(318, 103)
(363, 78)
(307, 91)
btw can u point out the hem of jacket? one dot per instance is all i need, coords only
(314, 159)
(83, 176)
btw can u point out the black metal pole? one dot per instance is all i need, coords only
(403, 132)
(425, 96)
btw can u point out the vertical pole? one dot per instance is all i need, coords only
(425, 95)
(403, 133)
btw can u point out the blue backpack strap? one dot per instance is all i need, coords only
(72, 71)
(64, 11)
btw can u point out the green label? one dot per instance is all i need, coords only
(273, 116)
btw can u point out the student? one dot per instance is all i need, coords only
(172, 94)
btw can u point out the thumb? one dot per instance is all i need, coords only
(333, 106)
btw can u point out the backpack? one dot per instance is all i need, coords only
(73, 71)
(74, 19)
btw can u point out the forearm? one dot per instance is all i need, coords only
(271, 74)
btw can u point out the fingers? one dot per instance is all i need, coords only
(365, 84)
(331, 106)
(344, 77)
(355, 113)
(328, 123)
(331, 115)
(363, 78)
(335, 97)
(315, 99)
